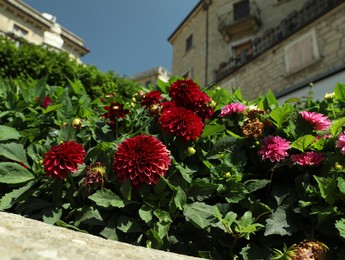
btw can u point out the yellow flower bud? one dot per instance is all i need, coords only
(191, 151)
(76, 123)
(228, 175)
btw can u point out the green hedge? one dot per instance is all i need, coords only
(33, 61)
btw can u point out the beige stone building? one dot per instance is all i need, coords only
(18, 20)
(151, 77)
(282, 45)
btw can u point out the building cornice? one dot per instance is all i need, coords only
(67, 35)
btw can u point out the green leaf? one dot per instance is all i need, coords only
(277, 223)
(212, 130)
(271, 100)
(327, 187)
(339, 91)
(162, 215)
(145, 213)
(51, 215)
(126, 190)
(341, 184)
(180, 198)
(337, 126)
(14, 173)
(9, 199)
(254, 185)
(340, 225)
(186, 172)
(61, 223)
(303, 142)
(109, 231)
(201, 189)
(199, 214)
(13, 151)
(106, 198)
(128, 225)
(281, 114)
(91, 217)
(7, 133)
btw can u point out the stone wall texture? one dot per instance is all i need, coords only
(26, 239)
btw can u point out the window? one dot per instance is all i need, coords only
(241, 10)
(19, 31)
(301, 52)
(189, 42)
(243, 51)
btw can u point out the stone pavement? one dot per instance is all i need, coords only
(26, 239)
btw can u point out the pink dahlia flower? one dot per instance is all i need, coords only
(179, 121)
(232, 108)
(340, 143)
(63, 158)
(274, 148)
(317, 120)
(308, 158)
(141, 159)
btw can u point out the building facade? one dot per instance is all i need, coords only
(151, 77)
(281, 45)
(20, 21)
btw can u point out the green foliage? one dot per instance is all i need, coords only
(220, 198)
(32, 61)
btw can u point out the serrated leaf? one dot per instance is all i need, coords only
(254, 185)
(281, 114)
(128, 225)
(7, 133)
(13, 151)
(199, 214)
(327, 187)
(14, 173)
(212, 130)
(303, 142)
(106, 198)
(9, 199)
(180, 198)
(200, 189)
(145, 213)
(337, 126)
(51, 215)
(340, 225)
(339, 91)
(341, 184)
(277, 223)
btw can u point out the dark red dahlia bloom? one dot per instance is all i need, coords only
(201, 106)
(184, 92)
(63, 158)
(46, 101)
(141, 159)
(167, 104)
(115, 110)
(180, 121)
(152, 97)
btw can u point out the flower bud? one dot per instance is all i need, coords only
(329, 96)
(217, 88)
(338, 166)
(228, 175)
(76, 123)
(191, 151)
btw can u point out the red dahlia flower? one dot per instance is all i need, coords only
(63, 158)
(46, 101)
(115, 110)
(140, 159)
(184, 92)
(151, 98)
(317, 120)
(201, 105)
(274, 148)
(95, 176)
(179, 121)
(307, 158)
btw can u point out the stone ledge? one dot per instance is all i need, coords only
(27, 239)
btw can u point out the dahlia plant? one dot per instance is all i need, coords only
(179, 167)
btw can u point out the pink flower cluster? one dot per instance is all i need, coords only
(274, 148)
(340, 143)
(317, 120)
(308, 158)
(232, 108)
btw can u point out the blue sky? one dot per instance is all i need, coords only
(125, 36)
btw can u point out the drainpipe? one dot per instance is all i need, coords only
(206, 4)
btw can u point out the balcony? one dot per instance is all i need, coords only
(242, 20)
